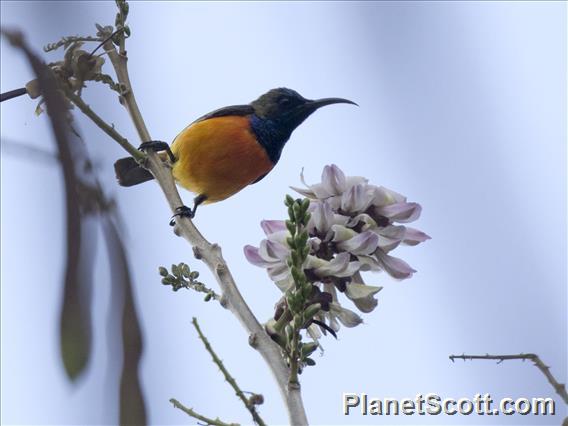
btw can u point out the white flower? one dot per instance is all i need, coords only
(353, 227)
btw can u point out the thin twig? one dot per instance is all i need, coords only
(192, 413)
(250, 406)
(107, 128)
(211, 255)
(120, 65)
(560, 388)
(66, 41)
(202, 288)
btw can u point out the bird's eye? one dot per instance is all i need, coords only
(284, 101)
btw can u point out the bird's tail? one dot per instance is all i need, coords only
(130, 173)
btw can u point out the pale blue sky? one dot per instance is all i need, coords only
(462, 109)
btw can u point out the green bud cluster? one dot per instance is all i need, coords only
(300, 313)
(182, 276)
(120, 22)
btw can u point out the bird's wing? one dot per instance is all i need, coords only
(239, 110)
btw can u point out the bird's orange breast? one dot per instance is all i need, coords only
(218, 157)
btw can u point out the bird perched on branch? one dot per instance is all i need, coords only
(222, 152)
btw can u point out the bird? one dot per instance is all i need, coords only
(226, 150)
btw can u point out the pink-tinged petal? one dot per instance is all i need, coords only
(272, 226)
(355, 180)
(348, 318)
(413, 237)
(395, 267)
(339, 219)
(351, 269)
(324, 271)
(332, 322)
(368, 221)
(342, 233)
(279, 237)
(363, 296)
(313, 262)
(285, 283)
(315, 333)
(278, 272)
(393, 195)
(333, 180)
(321, 191)
(400, 212)
(355, 199)
(322, 218)
(361, 291)
(278, 250)
(366, 305)
(340, 261)
(315, 244)
(339, 266)
(306, 192)
(379, 196)
(363, 243)
(334, 202)
(272, 251)
(368, 263)
(388, 244)
(390, 237)
(302, 178)
(252, 255)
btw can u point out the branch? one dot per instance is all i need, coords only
(105, 127)
(246, 401)
(210, 253)
(560, 388)
(66, 41)
(190, 412)
(119, 62)
(183, 277)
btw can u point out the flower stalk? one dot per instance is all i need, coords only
(299, 311)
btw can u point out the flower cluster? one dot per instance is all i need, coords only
(353, 227)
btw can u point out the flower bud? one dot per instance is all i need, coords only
(308, 349)
(311, 311)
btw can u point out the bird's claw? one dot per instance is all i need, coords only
(158, 146)
(182, 211)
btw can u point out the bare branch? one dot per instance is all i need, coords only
(246, 401)
(195, 415)
(560, 388)
(105, 127)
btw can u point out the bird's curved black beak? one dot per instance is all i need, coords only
(318, 103)
(296, 116)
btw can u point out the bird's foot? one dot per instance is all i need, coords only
(158, 146)
(182, 211)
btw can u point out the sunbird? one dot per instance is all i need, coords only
(230, 148)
